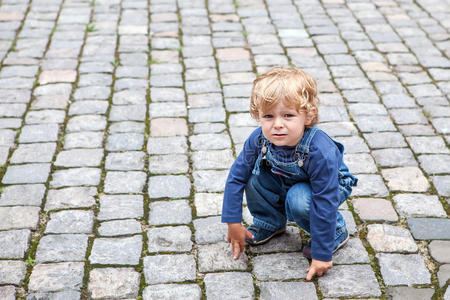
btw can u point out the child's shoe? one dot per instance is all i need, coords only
(338, 244)
(262, 235)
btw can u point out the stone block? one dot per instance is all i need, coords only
(125, 142)
(443, 274)
(210, 141)
(62, 247)
(407, 179)
(116, 251)
(442, 184)
(280, 266)
(375, 209)
(394, 157)
(201, 115)
(168, 164)
(14, 243)
(167, 145)
(19, 217)
(119, 227)
(12, 272)
(287, 290)
(169, 268)
(28, 173)
(289, 241)
(30, 194)
(175, 291)
(170, 212)
(387, 238)
(380, 140)
(218, 286)
(72, 197)
(125, 161)
(86, 123)
(350, 281)
(208, 204)
(113, 283)
(360, 163)
(370, 185)
(410, 293)
(168, 127)
(429, 228)
(425, 144)
(435, 164)
(56, 277)
(79, 158)
(121, 207)
(439, 251)
(210, 230)
(169, 239)
(8, 292)
(353, 252)
(219, 257)
(135, 112)
(210, 181)
(33, 153)
(218, 159)
(76, 177)
(124, 182)
(85, 139)
(418, 205)
(169, 186)
(403, 269)
(70, 221)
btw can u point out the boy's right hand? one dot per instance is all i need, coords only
(236, 236)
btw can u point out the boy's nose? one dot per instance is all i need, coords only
(278, 122)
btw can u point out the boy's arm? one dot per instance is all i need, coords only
(237, 179)
(322, 168)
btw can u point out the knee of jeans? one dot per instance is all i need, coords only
(298, 201)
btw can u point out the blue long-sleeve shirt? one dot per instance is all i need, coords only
(321, 166)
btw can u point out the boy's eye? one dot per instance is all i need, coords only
(267, 116)
(288, 115)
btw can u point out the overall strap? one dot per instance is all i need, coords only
(302, 149)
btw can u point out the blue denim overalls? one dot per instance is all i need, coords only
(279, 191)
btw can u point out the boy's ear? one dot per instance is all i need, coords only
(310, 116)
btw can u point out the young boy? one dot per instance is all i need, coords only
(290, 170)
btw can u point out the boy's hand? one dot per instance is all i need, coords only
(236, 236)
(318, 267)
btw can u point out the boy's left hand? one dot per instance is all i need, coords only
(318, 267)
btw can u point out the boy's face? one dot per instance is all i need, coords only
(283, 125)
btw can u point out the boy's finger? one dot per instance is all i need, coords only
(311, 273)
(235, 250)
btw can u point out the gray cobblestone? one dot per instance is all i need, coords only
(62, 247)
(113, 283)
(56, 276)
(30, 194)
(169, 268)
(348, 281)
(293, 266)
(12, 272)
(219, 257)
(217, 286)
(164, 239)
(170, 212)
(400, 269)
(70, 221)
(121, 207)
(116, 251)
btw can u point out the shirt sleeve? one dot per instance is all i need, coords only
(238, 176)
(324, 161)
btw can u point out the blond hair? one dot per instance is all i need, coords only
(293, 86)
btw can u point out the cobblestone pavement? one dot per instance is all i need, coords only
(120, 119)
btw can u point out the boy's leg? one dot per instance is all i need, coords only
(298, 200)
(265, 200)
